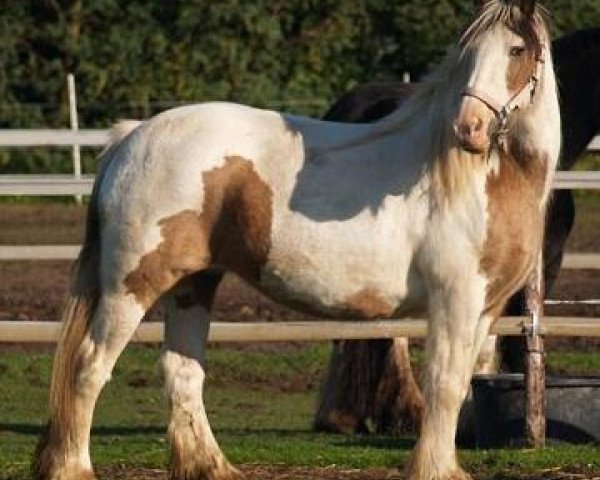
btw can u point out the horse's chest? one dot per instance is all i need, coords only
(514, 230)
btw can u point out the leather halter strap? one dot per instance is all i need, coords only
(483, 97)
(520, 99)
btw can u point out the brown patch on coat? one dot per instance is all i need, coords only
(231, 230)
(238, 212)
(520, 70)
(182, 251)
(368, 303)
(515, 224)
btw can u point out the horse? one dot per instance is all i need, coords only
(417, 213)
(388, 398)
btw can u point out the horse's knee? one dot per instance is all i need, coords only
(184, 379)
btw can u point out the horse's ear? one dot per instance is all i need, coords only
(527, 7)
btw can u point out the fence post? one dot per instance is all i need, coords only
(406, 77)
(535, 409)
(74, 129)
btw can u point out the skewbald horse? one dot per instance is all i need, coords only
(369, 385)
(436, 209)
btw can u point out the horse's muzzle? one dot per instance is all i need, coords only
(473, 135)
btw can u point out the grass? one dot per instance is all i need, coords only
(260, 404)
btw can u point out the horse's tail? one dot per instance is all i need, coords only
(85, 287)
(121, 129)
(78, 311)
(76, 319)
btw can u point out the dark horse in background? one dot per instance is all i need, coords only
(370, 386)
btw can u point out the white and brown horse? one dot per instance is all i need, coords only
(436, 209)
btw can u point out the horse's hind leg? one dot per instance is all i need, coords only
(114, 288)
(195, 454)
(85, 358)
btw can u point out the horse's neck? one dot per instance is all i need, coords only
(545, 118)
(412, 119)
(536, 142)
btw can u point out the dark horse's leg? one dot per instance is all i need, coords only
(561, 214)
(370, 387)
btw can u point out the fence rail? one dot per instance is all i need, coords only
(46, 185)
(54, 137)
(93, 138)
(53, 185)
(153, 332)
(571, 261)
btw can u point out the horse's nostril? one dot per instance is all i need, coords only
(468, 130)
(462, 130)
(472, 133)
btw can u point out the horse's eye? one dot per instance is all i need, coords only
(516, 51)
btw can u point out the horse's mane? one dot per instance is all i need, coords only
(438, 95)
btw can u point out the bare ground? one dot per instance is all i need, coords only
(258, 472)
(35, 290)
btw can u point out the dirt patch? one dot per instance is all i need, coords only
(32, 290)
(47, 224)
(259, 472)
(35, 290)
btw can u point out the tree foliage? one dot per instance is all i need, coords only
(128, 56)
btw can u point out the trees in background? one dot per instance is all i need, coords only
(130, 56)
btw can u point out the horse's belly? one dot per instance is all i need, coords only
(344, 288)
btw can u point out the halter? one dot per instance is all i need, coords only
(520, 99)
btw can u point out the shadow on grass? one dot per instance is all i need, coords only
(337, 440)
(384, 443)
(30, 429)
(37, 429)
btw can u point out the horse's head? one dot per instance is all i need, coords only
(504, 48)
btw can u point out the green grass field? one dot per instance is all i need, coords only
(260, 404)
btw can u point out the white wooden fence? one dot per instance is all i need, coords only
(223, 332)
(67, 185)
(60, 185)
(94, 138)
(152, 332)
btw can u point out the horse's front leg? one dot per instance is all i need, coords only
(456, 332)
(195, 454)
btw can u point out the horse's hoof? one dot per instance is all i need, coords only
(224, 471)
(72, 473)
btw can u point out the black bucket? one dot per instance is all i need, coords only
(572, 412)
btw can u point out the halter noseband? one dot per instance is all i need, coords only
(521, 98)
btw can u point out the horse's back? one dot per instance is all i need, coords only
(164, 159)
